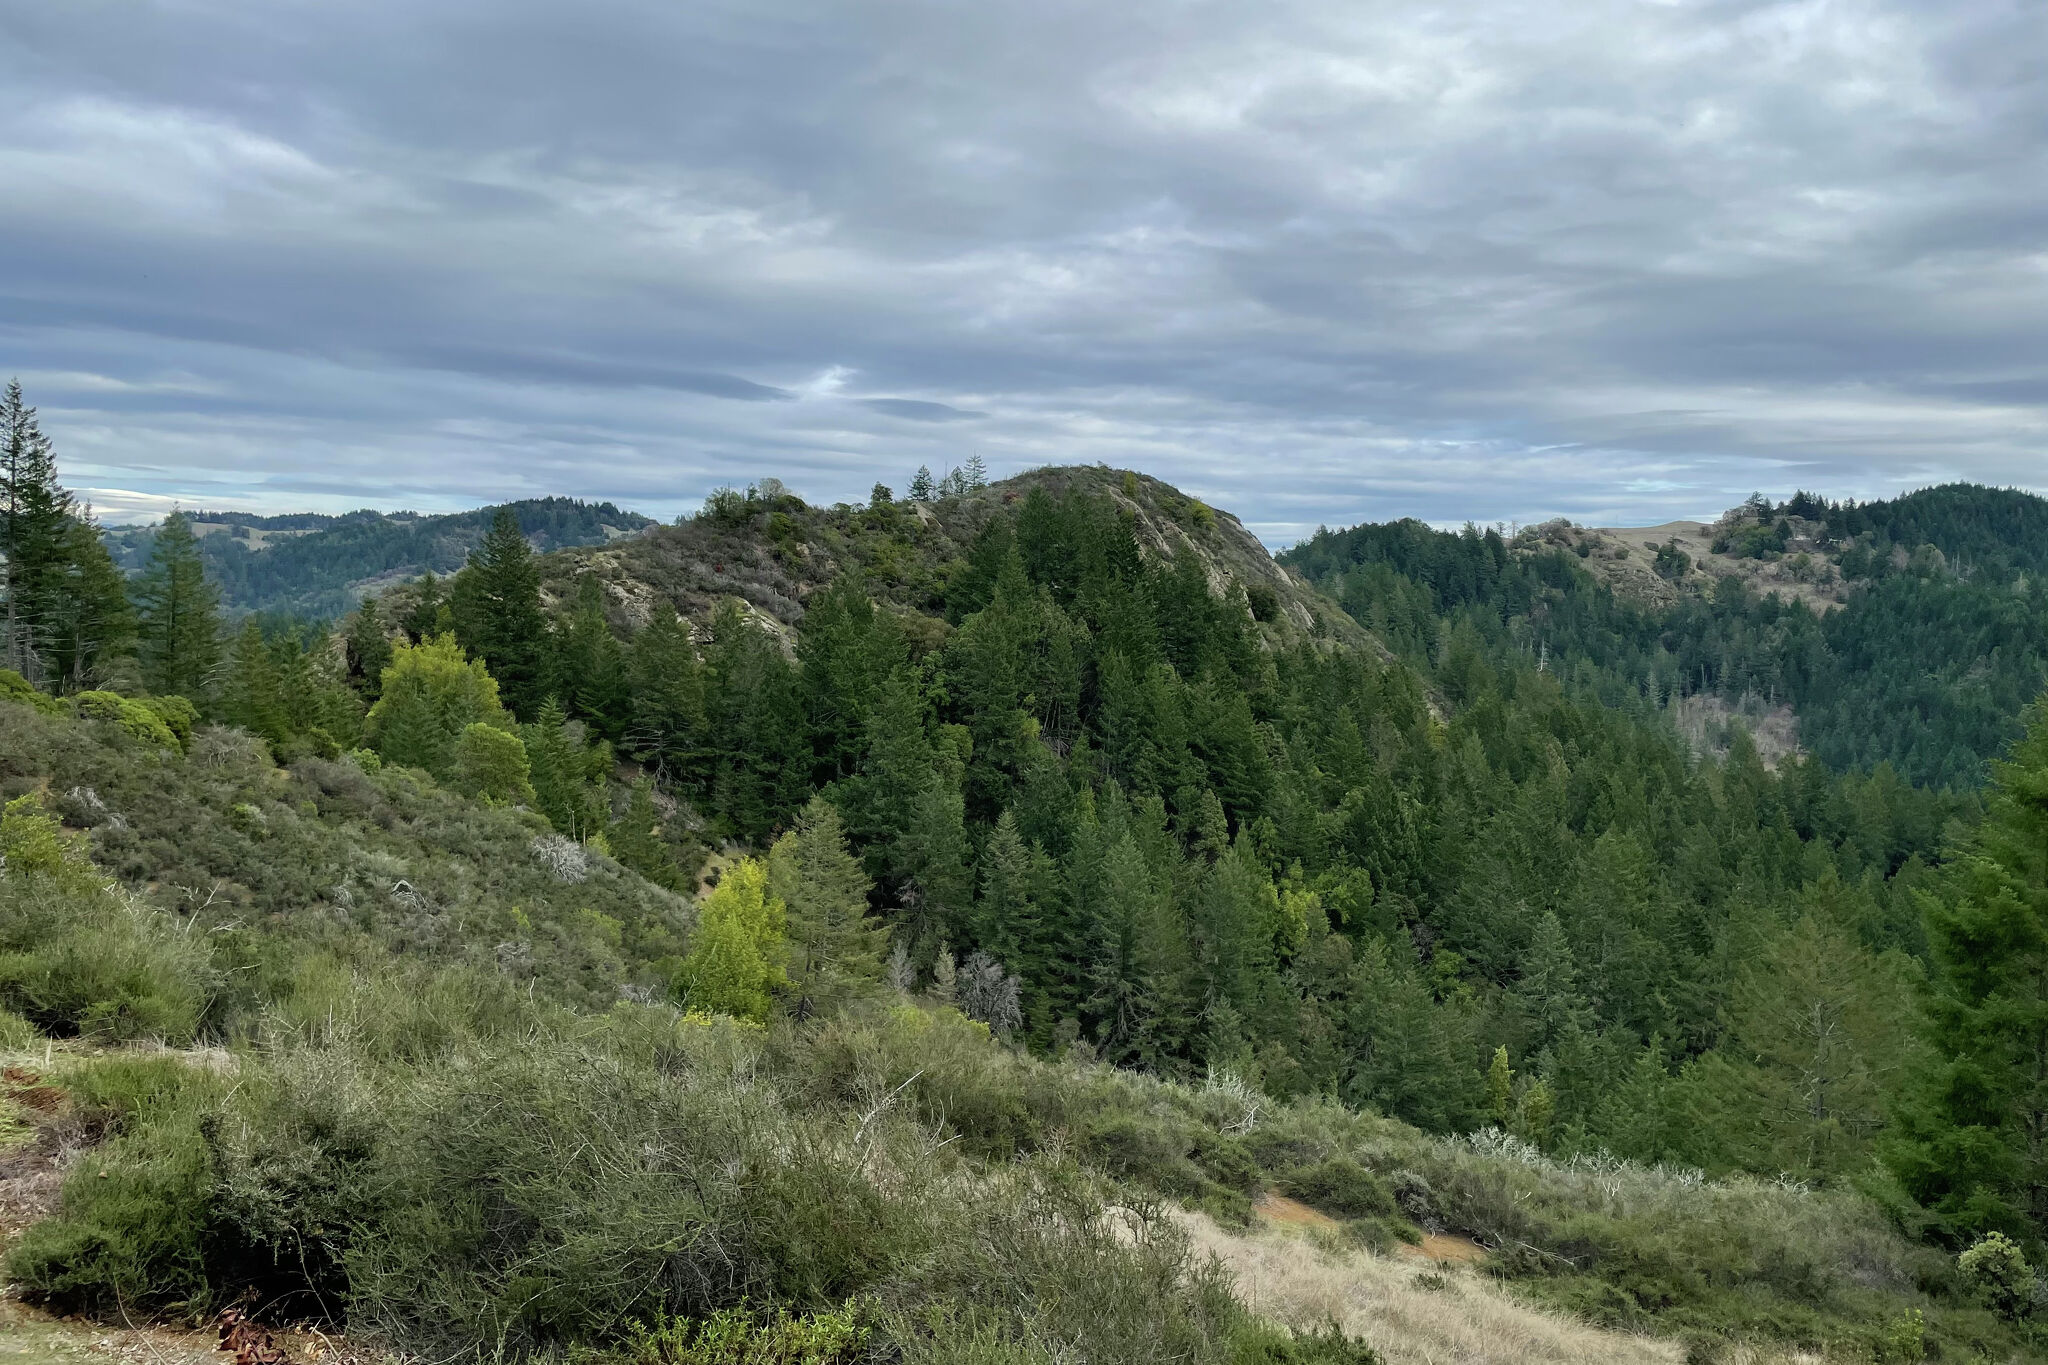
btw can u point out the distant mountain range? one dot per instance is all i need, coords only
(314, 565)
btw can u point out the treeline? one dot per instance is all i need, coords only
(315, 572)
(1924, 669)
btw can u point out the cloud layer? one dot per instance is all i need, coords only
(1622, 260)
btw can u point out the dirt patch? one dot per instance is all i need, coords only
(1440, 1247)
(1278, 1208)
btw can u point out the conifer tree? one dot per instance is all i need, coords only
(589, 665)
(921, 484)
(35, 518)
(91, 637)
(568, 775)
(667, 683)
(1972, 1142)
(369, 649)
(933, 854)
(250, 689)
(500, 618)
(1006, 919)
(835, 952)
(636, 840)
(178, 611)
(895, 766)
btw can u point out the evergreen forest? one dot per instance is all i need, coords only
(811, 929)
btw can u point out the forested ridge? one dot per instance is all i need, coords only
(1051, 806)
(315, 566)
(1940, 641)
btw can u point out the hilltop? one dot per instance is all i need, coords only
(770, 549)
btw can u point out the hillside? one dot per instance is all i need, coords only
(422, 1088)
(1908, 633)
(315, 566)
(770, 549)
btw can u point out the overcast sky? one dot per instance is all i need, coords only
(1330, 261)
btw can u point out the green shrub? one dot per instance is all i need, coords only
(178, 715)
(131, 1227)
(136, 719)
(1342, 1187)
(1997, 1272)
(736, 1336)
(15, 688)
(98, 963)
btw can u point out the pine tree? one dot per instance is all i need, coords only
(179, 614)
(1006, 921)
(500, 619)
(921, 484)
(250, 689)
(938, 888)
(369, 649)
(1972, 1140)
(636, 840)
(35, 518)
(667, 682)
(92, 635)
(835, 952)
(568, 775)
(895, 765)
(590, 667)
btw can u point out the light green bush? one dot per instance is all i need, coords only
(136, 719)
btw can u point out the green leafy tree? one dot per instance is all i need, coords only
(431, 693)
(835, 951)
(178, 614)
(736, 955)
(491, 765)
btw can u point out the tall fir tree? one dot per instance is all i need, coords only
(1972, 1137)
(35, 519)
(498, 616)
(589, 666)
(667, 709)
(178, 611)
(91, 634)
(835, 950)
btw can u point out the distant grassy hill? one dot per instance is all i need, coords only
(309, 564)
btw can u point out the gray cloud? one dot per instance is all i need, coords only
(1315, 261)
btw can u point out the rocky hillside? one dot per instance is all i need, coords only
(772, 550)
(1793, 557)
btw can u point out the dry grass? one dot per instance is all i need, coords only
(1414, 1315)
